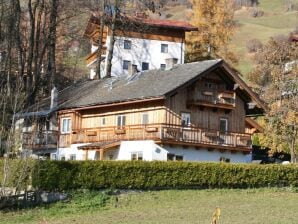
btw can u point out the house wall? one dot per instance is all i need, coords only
(145, 48)
(154, 152)
(204, 117)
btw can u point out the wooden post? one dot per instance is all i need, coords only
(101, 154)
(86, 155)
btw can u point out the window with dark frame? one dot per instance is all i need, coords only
(185, 119)
(126, 64)
(72, 157)
(120, 120)
(164, 48)
(103, 121)
(173, 157)
(163, 67)
(145, 66)
(137, 156)
(127, 44)
(223, 125)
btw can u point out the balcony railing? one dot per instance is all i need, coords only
(225, 99)
(40, 140)
(163, 132)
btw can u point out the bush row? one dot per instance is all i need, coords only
(65, 175)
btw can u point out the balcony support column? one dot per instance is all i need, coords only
(101, 154)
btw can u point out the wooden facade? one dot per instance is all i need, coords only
(162, 119)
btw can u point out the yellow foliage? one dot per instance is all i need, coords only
(214, 19)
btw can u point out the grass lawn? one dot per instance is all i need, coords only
(262, 206)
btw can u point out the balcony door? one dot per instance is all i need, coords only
(223, 129)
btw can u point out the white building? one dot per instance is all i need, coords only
(143, 44)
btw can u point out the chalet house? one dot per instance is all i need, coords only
(140, 44)
(194, 112)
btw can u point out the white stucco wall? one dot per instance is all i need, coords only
(152, 151)
(142, 50)
(80, 154)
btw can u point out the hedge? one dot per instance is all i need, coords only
(66, 175)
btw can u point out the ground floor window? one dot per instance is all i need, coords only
(62, 157)
(54, 156)
(137, 156)
(72, 157)
(224, 159)
(173, 157)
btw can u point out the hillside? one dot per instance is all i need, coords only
(275, 21)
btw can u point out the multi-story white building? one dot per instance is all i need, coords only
(140, 44)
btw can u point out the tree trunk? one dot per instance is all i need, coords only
(112, 40)
(51, 67)
(100, 40)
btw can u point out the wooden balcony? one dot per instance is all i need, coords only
(215, 99)
(40, 140)
(93, 56)
(165, 133)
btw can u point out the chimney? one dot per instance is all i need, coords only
(54, 98)
(133, 69)
(170, 62)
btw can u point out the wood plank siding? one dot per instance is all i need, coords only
(161, 120)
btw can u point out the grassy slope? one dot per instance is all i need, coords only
(185, 206)
(274, 22)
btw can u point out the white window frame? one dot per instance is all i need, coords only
(185, 116)
(122, 120)
(63, 131)
(138, 154)
(226, 120)
(142, 121)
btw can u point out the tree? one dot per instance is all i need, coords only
(276, 80)
(214, 19)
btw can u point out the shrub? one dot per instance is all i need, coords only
(18, 173)
(253, 45)
(66, 175)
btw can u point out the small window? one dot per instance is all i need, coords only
(126, 64)
(120, 120)
(54, 156)
(164, 48)
(173, 157)
(72, 157)
(185, 119)
(223, 125)
(179, 158)
(163, 67)
(62, 157)
(145, 66)
(103, 121)
(210, 85)
(225, 160)
(65, 125)
(145, 118)
(137, 156)
(127, 44)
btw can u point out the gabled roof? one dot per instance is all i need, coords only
(149, 85)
